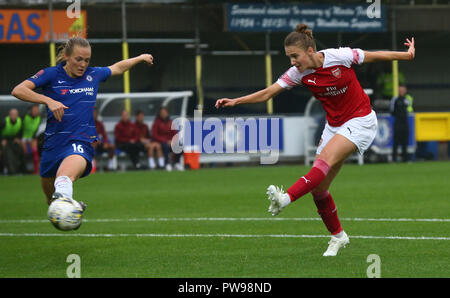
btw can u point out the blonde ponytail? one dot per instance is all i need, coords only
(66, 49)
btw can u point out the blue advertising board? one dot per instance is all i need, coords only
(257, 17)
(233, 135)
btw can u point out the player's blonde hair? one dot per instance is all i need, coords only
(66, 49)
(302, 37)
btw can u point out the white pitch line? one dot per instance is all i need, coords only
(153, 219)
(210, 236)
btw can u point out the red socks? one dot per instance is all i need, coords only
(35, 155)
(310, 181)
(323, 200)
(327, 210)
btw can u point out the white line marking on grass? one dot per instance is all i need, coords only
(210, 236)
(233, 219)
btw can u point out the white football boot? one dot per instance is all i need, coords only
(278, 199)
(335, 244)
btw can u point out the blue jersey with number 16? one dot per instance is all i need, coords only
(79, 95)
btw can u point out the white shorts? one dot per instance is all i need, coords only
(361, 131)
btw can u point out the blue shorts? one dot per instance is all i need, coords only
(51, 158)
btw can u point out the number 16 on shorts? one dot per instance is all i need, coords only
(77, 148)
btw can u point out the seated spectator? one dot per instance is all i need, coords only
(12, 149)
(162, 133)
(126, 137)
(31, 122)
(149, 145)
(103, 144)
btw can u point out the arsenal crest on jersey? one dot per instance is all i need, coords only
(336, 73)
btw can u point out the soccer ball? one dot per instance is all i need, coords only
(65, 214)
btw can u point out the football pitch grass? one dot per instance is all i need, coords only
(213, 223)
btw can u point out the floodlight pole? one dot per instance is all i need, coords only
(394, 48)
(52, 35)
(125, 55)
(269, 103)
(198, 62)
(269, 72)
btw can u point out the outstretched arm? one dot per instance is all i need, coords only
(124, 65)
(25, 91)
(391, 55)
(259, 96)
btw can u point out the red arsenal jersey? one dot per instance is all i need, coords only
(334, 84)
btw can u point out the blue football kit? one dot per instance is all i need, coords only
(75, 133)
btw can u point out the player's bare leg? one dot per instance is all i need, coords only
(328, 164)
(328, 212)
(48, 187)
(73, 166)
(335, 152)
(326, 182)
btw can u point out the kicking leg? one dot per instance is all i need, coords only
(334, 153)
(71, 168)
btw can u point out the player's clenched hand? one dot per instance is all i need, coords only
(225, 102)
(412, 49)
(57, 109)
(147, 58)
